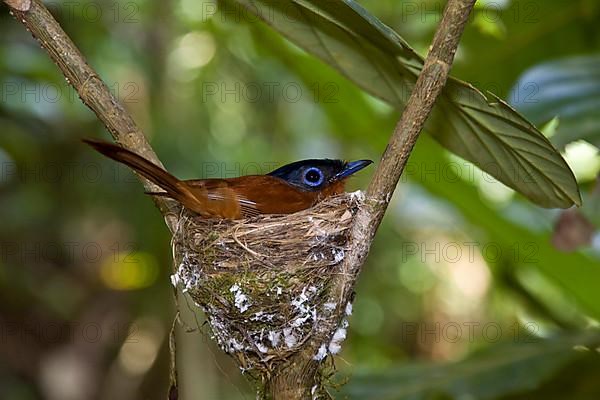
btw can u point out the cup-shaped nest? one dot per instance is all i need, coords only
(263, 282)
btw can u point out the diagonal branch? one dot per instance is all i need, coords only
(428, 87)
(298, 375)
(379, 193)
(295, 379)
(91, 89)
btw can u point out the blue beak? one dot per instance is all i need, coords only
(351, 168)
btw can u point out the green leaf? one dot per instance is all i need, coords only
(578, 280)
(568, 88)
(483, 130)
(496, 371)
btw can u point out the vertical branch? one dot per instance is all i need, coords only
(422, 99)
(299, 377)
(366, 222)
(91, 89)
(428, 87)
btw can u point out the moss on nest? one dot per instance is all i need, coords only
(263, 282)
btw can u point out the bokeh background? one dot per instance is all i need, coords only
(470, 291)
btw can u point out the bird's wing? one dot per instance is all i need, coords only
(272, 195)
(223, 198)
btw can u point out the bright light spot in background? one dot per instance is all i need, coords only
(66, 374)
(140, 349)
(497, 4)
(490, 26)
(494, 191)
(456, 278)
(469, 281)
(129, 271)
(550, 127)
(470, 274)
(420, 210)
(192, 51)
(596, 242)
(457, 271)
(488, 17)
(488, 187)
(584, 160)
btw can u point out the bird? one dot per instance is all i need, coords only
(291, 188)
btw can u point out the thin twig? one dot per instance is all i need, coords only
(96, 95)
(91, 89)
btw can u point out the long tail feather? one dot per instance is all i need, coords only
(172, 186)
(217, 200)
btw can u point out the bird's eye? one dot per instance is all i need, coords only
(313, 177)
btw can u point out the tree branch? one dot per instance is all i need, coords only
(428, 87)
(91, 89)
(367, 220)
(298, 377)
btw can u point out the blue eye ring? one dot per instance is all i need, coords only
(313, 177)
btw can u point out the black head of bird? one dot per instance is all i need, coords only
(316, 174)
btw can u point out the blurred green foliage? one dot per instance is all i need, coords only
(461, 267)
(478, 127)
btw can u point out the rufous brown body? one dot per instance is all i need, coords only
(286, 190)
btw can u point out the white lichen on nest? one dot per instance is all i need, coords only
(263, 282)
(241, 301)
(335, 344)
